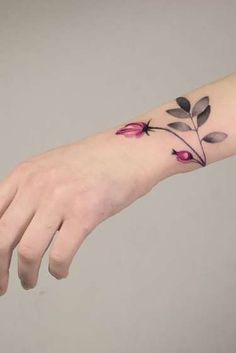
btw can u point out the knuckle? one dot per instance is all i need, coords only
(3, 226)
(58, 192)
(40, 183)
(90, 203)
(57, 259)
(5, 247)
(27, 253)
(35, 181)
(58, 266)
(42, 177)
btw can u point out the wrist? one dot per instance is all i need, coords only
(187, 133)
(158, 151)
(150, 154)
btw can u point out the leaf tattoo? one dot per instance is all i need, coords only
(184, 103)
(178, 113)
(200, 106)
(197, 115)
(203, 116)
(180, 126)
(214, 137)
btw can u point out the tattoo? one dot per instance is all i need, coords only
(197, 115)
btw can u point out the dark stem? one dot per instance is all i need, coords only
(201, 161)
(199, 139)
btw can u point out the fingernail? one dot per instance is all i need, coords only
(2, 292)
(4, 285)
(25, 285)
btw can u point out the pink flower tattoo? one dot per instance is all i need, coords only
(196, 115)
(134, 129)
(183, 156)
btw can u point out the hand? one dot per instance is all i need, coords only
(65, 193)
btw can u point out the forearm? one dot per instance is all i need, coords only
(179, 141)
(66, 192)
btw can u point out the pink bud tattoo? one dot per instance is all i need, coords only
(133, 129)
(183, 156)
(197, 115)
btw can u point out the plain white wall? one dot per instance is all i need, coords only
(161, 275)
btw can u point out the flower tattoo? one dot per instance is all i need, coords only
(197, 115)
(134, 129)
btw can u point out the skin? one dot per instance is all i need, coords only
(63, 194)
(73, 189)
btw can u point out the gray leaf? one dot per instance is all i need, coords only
(202, 117)
(214, 137)
(180, 126)
(178, 113)
(184, 103)
(200, 106)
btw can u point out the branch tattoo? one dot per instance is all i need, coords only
(196, 115)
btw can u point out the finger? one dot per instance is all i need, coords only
(9, 185)
(4, 284)
(8, 190)
(12, 225)
(34, 243)
(66, 244)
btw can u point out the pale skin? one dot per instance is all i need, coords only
(54, 200)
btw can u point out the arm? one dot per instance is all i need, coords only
(73, 188)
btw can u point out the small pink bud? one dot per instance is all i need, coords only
(183, 156)
(134, 129)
